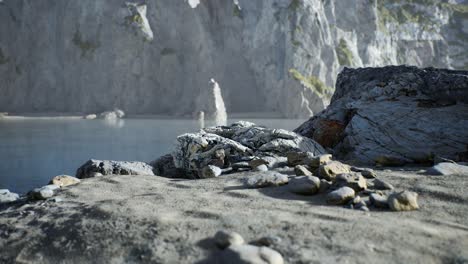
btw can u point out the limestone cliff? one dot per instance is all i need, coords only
(155, 57)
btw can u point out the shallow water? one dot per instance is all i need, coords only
(33, 151)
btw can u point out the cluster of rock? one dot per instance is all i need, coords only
(42, 193)
(395, 115)
(107, 115)
(354, 187)
(239, 147)
(235, 250)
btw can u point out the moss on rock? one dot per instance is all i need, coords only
(345, 56)
(312, 82)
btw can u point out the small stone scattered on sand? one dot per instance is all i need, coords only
(248, 254)
(306, 185)
(403, 201)
(224, 239)
(340, 196)
(266, 179)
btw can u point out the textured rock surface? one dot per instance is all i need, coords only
(237, 145)
(89, 56)
(403, 201)
(110, 167)
(266, 179)
(394, 115)
(64, 180)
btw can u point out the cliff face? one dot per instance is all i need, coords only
(157, 57)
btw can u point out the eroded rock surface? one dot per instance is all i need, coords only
(240, 146)
(395, 115)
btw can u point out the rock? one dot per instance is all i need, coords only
(44, 192)
(241, 166)
(363, 208)
(90, 117)
(258, 162)
(379, 200)
(261, 168)
(110, 167)
(275, 162)
(301, 170)
(364, 112)
(379, 184)
(7, 197)
(299, 158)
(241, 142)
(224, 239)
(325, 185)
(403, 201)
(306, 185)
(319, 160)
(268, 241)
(367, 173)
(340, 196)
(353, 180)
(64, 180)
(164, 166)
(266, 179)
(210, 171)
(331, 169)
(248, 254)
(448, 168)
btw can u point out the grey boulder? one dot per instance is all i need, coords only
(7, 197)
(248, 254)
(305, 185)
(110, 167)
(267, 179)
(44, 192)
(394, 115)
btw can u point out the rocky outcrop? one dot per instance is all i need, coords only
(93, 168)
(236, 145)
(268, 56)
(394, 115)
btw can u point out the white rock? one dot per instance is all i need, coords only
(224, 239)
(267, 179)
(403, 201)
(304, 185)
(6, 196)
(210, 171)
(248, 254)
(340, 196)
(448, 168)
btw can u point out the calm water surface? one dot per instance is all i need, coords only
(32, 151)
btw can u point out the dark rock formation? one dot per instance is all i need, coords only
(394, 115)
(92, 168)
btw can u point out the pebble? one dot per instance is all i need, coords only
(268, 241)
(266, 179)
(258, 162)
(249, 254)
(305, 185)
(367, 173)
(331, 169)
(379, 200)
(224, 239)
(262, 167)
(299, 158)
(317, 161)
(403, 201)
(353, 180)
(324, 185)
(301, 170)
(382, 185)
(7, 197)
(64, 180)
(340, 196)
(210, 171)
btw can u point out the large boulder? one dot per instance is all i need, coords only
(395, 115)
(110, 167)
(223, 146)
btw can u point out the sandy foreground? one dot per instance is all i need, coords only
(114, 219)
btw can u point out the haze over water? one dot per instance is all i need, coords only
(33, 151)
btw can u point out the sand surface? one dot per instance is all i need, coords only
(117, 219)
